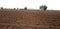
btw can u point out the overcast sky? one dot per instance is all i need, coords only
(31, 4)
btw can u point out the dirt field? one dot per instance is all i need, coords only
(29, 19)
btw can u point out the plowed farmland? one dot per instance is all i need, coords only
(29, 19)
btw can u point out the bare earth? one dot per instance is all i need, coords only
(29, 19)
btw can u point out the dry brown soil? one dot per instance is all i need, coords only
(29, 19)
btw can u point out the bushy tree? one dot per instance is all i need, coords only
(1, 7)
(25, 8)
(43, 7)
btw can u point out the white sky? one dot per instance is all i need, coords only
(33, 4)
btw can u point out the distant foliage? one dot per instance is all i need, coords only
(25, 8)
(1, 8)
(43, 7)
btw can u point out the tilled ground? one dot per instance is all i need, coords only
(29, 19)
